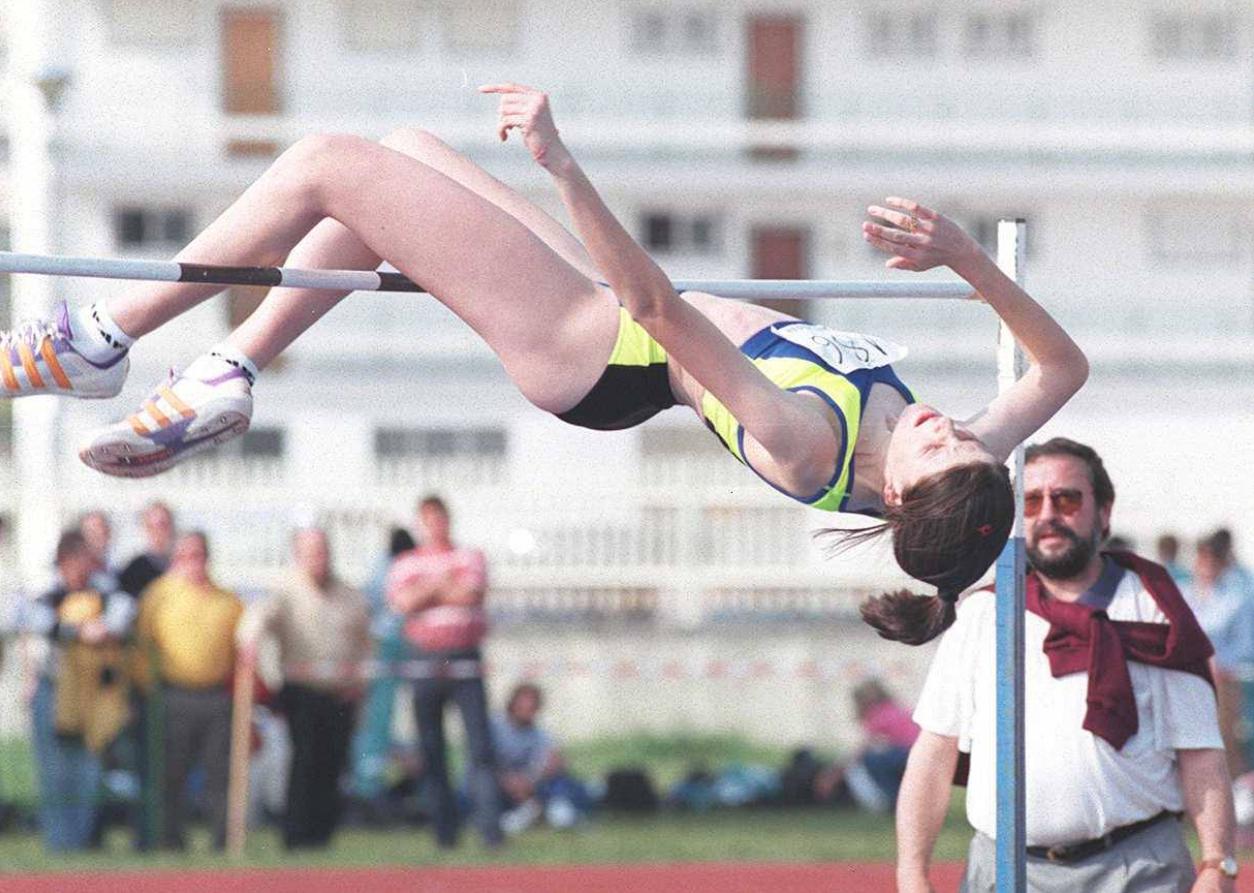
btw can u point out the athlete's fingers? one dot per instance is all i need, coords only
(512, 102)
(891, 234)
(507, 87)
(901, 263)
(910, 206)
(900, 219)
(890, 247)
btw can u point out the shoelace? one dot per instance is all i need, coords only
(31, 332)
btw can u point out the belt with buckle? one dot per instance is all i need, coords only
(1074, 852)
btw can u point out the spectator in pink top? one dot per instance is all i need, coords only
(874, 775)
(438, 589)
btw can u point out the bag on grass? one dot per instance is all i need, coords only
(631, 790)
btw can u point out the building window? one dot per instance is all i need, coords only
(997, 34)
(381, 24)
(481, 27)
(667, 233)
(1199, 234)
(674, 32)
(137, 227)
(252, 53)
(901, 33)
(1194, 35)
(263, 443)
(395, 443)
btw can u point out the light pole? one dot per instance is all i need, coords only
(36, 87)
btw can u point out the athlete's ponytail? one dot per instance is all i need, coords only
(947, 531)
(913, 619)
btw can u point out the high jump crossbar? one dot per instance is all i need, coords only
(372, 280)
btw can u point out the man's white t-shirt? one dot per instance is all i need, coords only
(1078, 786)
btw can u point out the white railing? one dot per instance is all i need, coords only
(441, 472)
(228, 471)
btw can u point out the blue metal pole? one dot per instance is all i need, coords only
(1011, 830)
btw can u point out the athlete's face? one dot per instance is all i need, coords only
(924, 443)
(1063, 525)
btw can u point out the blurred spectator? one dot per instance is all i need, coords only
(1117, 542)
(157, 522)
(372, 745)
(1225, 611)
(873, 777)
(1221, 539)
(186, 637)
(531, 770)
(1168, 549)
(322, 628)
(98, 531)
(439, 589)
(79, 699)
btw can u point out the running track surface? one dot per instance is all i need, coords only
(727, 877)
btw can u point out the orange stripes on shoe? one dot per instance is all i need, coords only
(179, 406)
(138, 426)
(162, 419)
(6, 369)
(28, 363)
(54, 365)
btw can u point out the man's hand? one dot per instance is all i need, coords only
(1212, 880)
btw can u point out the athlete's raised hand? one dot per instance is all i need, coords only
(527, 110)
(917, 237)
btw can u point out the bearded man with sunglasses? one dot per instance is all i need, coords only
(1122, 727)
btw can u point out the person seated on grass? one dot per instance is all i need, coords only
(873, 777)
(531, 771)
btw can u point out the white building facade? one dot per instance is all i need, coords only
(736, 139)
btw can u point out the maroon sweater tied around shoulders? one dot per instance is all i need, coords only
(1082, 638)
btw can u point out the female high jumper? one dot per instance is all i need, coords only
(593, 333)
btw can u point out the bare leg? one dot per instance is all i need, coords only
(286, 313)
(547, 321)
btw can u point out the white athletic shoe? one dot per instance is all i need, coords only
(182, 417)
(39, 358)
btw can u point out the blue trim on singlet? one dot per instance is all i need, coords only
(767, 343)
(844, 434)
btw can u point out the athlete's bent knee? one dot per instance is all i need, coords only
(323, 148)
(413, 141)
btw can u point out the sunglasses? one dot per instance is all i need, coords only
(1065, 502)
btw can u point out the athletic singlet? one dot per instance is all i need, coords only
(840, 367)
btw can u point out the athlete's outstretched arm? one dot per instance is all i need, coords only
(920, 239)
(786, 427)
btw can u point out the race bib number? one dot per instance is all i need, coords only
(844, 351)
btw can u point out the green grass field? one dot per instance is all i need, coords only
(753, 835)
(817, 834)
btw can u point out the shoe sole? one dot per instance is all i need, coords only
(120, 459)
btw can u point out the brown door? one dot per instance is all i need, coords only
(774, 67)
(251, 48)
(782, 252)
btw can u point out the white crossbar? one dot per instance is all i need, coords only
(367, 280)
